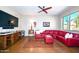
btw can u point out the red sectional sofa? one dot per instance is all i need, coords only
(60, 35)
(39, 36)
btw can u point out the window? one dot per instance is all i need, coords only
(71, 21)
(66, 20)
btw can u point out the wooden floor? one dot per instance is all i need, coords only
(29, 45)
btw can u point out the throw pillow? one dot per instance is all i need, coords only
(66, 35)
(70, 35)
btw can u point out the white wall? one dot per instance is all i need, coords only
(28, 20)
(12, 12)
(24, 24)
(41, 19)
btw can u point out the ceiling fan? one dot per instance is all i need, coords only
(44, 9)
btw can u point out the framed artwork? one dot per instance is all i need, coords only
(46, 24)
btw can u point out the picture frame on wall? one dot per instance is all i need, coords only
(46, 24)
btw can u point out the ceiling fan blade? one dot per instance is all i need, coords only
(47, 8)
(40, 7)
(43, 11)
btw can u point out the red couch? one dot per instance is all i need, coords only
(68, 41)
(39, 36)
(60, 35)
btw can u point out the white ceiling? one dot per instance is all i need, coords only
(33, 10)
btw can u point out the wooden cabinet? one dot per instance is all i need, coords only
(3, 41)
(16, 36)
(9, 39)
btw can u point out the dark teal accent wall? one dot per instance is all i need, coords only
(5, 20)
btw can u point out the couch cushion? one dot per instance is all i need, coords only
(55, 32)
(46, 32)
(76, 35)
(60, 38)
(62, 33)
